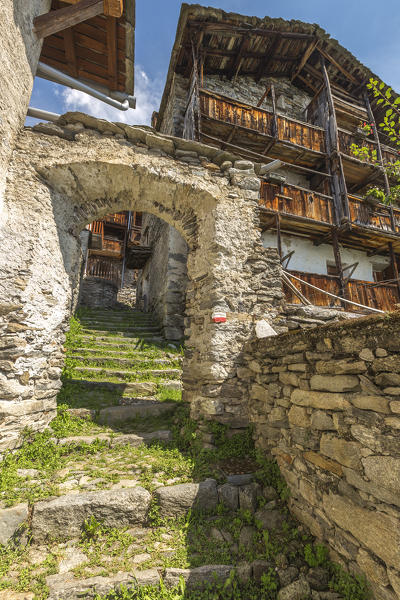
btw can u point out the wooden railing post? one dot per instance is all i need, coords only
(339, 188)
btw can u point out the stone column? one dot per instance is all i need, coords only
(19, 51)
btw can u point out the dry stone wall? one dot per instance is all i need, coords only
(326, 404)
(68, 174)
(97, 292)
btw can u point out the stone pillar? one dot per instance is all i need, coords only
(19, 51)
(237, 276)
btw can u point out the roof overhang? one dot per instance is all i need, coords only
(99, 50)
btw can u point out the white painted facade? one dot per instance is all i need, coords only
(315, 259)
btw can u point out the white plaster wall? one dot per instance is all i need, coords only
(313, 259)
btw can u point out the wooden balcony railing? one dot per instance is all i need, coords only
(346, 139)
(228, 110)
(294, 200)
(382, 296)
(97, 227)
(377, 217)
(117, 218)
(105, 268)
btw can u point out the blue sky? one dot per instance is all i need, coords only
(369, 29)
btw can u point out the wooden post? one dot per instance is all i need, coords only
(339, 266)
(393, 262)
(339, 190)
(377, 140)
(275, 121)
(278, 234)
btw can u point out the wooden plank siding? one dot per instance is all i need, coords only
(382, 296)
(290, 199)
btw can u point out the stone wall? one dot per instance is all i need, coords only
(96, 292)
(163, 281)
(326, 404)
(175, 109)
(19, 51)
(67, 174)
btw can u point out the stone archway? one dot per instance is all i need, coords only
(58, 184)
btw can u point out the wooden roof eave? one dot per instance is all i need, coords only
(75, 52)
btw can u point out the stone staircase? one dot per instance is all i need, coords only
(119, 494)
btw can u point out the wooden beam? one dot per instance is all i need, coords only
(70, 53)
(265, 94)
(309, 50)
(234, 71)
(58, 20)
(338, 66)
(236, 30)
(264, 66)
(112, 52)
(113, 8)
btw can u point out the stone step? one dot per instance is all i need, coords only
(64, 517)
(147, 388)
(127, 439)
(118, 313)
(125, 374)
(93, 336)
(112, 415)
(120, 340)
(121, 361)
(136, 331)
(114, 325)
(106, 352)
(65, 587)
(119, 320)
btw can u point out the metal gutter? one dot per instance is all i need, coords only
(116, 99)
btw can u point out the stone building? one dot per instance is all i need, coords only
(111, 256)
(284, 92)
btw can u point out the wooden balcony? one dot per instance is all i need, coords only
(378, 217)
(224, 119)
(299, 203)
(305, 211)
(106, 268)
(358, 170)
(383, 296)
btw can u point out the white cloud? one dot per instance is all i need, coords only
(148, 95)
